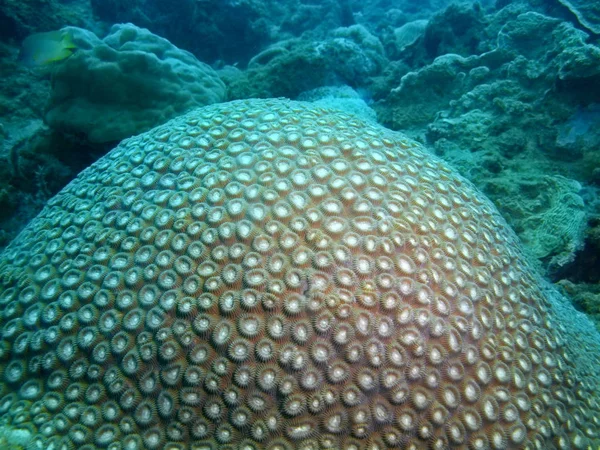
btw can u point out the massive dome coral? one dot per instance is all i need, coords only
(266, 274)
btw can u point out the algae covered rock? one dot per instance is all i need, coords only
(548, 213)
(408, 34)
(349, 56)
(285, 69)
(354, 54)
(562, 50)
(19, 18)
(126, 83)
(587, 13)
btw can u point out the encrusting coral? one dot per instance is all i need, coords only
(269, 274)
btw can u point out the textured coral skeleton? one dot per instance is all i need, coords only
(266, 274)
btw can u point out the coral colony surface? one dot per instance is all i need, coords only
(269, 274)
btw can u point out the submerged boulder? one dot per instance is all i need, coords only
(126, 83)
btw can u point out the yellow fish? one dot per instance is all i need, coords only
(41, 49)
